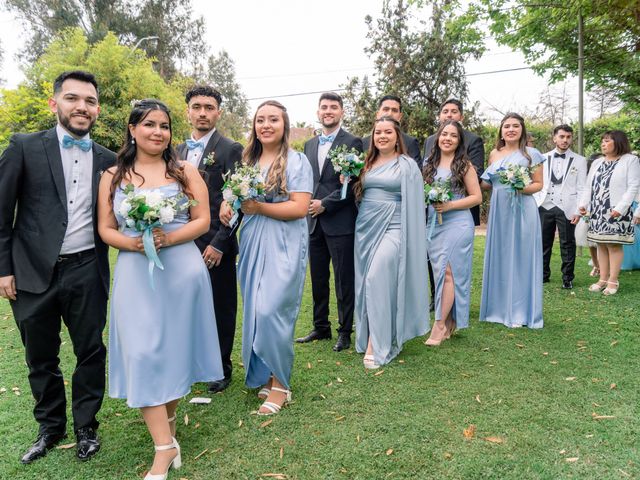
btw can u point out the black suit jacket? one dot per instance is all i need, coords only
(412, 144)
(339, 218)
(33, 209)
(475, 151)
(227, 154)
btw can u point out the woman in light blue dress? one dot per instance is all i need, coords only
(391, 276)
(162, 330)
(273, 256)
(512, 277)
(450, 244)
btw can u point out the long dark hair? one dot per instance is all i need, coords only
(522, 143)
(373, 152)
(459, 165)
(277, 177)
(125, 160)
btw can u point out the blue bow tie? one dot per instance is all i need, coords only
(326, 139)
(192, 145)
(84, 144)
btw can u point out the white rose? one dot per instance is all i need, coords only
(228, 195)
(244, 189)
(153, 198)
(125, 206)
(166, 215)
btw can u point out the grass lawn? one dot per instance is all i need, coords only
(561, 402)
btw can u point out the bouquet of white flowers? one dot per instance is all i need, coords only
(244, 184)
(348, 163)
(438, 192)
(515, 176)
(144, 210)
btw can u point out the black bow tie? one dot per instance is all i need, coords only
(561, 155)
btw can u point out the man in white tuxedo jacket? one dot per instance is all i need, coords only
(564, 175)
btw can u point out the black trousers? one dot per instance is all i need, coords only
(337, 250)
(551, 220)
(77, 297)
(225, 304)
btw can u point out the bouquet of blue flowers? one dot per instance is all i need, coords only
(348, 163)
(245, 183)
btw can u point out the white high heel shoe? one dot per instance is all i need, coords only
(175, 463)
(273, 408)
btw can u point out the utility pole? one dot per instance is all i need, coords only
(580, 83)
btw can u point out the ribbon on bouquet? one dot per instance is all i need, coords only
(432, 225)
(345, 184)
(516, 201)
(236, 212)
(150, 251)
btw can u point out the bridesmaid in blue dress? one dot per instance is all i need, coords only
(391, 276)
(273, 256)
(631, 259)
(512, 277)
(162, 339)
(450, 247)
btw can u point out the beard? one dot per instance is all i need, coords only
(65, 121)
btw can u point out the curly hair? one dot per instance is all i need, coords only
(277, 177)
(126, 157)
(459, 165)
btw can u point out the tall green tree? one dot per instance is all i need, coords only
(123, 76)
(221, 74)
(546, 33)
(179, 32)
(419, 50)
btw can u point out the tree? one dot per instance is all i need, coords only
(179, 32)
(221, 74)
(123, 77)
(547, 34)
(423, 65)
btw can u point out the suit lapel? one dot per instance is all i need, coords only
(97, 172)
(52, 151)
(313, 159)
(566, 170)
(210, 147)
(335, 144)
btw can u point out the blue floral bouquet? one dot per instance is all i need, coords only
(144, 210)
(245, 183)
(517, 177)
(348, 163)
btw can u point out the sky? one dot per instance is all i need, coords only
(291, 47)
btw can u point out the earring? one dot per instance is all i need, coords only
(133, 141)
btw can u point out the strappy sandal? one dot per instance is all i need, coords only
(264, 393)
(175, 463)
(274, 408)
(370, 362)
(598, 286)
(611, 291)
(595, 272)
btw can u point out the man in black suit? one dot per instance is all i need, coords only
(216, 156)
(391, 106)
(331, 226)
(451, 109)
(53, 264)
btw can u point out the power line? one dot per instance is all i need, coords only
(300, 94)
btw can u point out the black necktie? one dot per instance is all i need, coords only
(561, 155)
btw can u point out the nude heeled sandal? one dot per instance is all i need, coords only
(274, 408)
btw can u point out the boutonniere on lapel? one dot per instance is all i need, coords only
(573, 171)
(209, 159)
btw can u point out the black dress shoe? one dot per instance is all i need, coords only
(344, 342)
(314, 335)
(88, 443)
(567, 284)
(41, 446)
(219, 385)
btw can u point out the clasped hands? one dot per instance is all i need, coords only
(159, 240)
(248, 207)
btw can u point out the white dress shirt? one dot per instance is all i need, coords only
(557, 165)
(194, 156)
(78, 169)
(323, 150)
